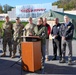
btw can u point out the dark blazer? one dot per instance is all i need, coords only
(55, 31)
(67, 31)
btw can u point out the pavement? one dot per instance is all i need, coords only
(8, 66)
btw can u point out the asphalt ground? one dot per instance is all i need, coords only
(8, 66)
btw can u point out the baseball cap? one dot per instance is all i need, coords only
(7, 16)
(17, 18)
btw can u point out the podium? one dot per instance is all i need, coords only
(31, 53)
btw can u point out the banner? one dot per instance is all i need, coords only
(32, 10)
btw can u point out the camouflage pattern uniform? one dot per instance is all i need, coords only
(29, 29)
(17, 37)
(0, 33)
(7, 36)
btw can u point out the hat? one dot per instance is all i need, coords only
(17, 18)
(7, 16)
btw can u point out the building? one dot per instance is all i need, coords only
(54, 14)
(2, 16)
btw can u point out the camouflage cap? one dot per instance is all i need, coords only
(7, 16)
(17, 18)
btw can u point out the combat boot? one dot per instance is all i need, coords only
(54, 58)
(20, 53)
(13, 55)
(10, 54)
(47, 58)
(62, 61)
(69, 62)
(3, 55)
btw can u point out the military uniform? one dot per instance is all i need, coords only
(29, 29)
(41, 31)
(17, 37)
(56, 41)
(0, 34)
(7, 36)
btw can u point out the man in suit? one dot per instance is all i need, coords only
(56, 39)
(66, 30)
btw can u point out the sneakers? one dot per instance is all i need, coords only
(13, 56)
(10, 54)
(62, 61)
(3, 55)
(47, 59)
(69, 62)
(54, 58)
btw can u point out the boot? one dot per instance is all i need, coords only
(60, 58)
(69, 62)
(20, 53)
(10, 54)
(3, 55)
(47, 59)
(62, 61)
(54, 58)
(13, 55)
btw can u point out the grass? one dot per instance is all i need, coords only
(1, 22)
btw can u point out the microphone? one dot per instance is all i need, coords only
(24, 29)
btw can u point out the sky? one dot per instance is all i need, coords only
(23, 2)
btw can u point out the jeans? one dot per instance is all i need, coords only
(47, 48)
(43, 48)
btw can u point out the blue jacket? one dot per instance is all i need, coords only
(67, 31)
(56, 30)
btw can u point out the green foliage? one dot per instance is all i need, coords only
(1, 22)
(7, 7)
(1, 9)
(66, 4)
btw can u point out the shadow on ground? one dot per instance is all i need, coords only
(6, 68)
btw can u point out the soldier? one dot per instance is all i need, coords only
(67, 29)
(18, 27)
(0, 34)
(47, 39)
(56, 39)
(29, 27)
(41, 31)
(7, 36)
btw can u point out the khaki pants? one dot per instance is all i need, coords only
(69, 44)
(15, 44)
(5, 42)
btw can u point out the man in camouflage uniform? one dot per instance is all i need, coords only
(0, 34)
(29, 28)
(7, 36)
(18, 32)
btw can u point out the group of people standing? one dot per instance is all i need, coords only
(42, 29)
(11, 36)
(62, 35)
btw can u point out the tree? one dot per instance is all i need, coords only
(66, 4)
(1, 9)
(7, 8)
